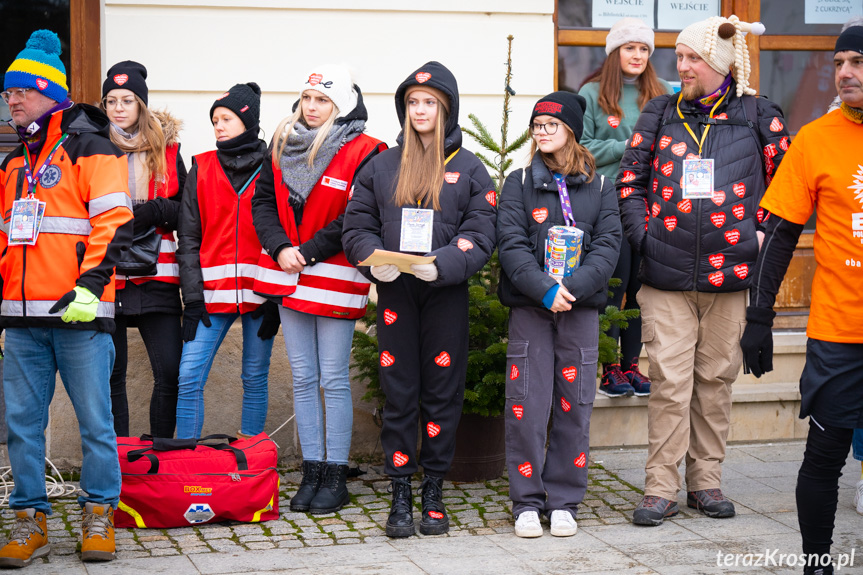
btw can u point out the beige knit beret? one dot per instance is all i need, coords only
(628, 30)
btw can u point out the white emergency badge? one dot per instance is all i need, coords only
(697, 179)
(25, 222)
(416, 234)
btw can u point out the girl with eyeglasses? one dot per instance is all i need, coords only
(149, 302)
(428, 196)
(554, 321)
(615, 95)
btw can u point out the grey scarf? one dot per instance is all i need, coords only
(294, 162)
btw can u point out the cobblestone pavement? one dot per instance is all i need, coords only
(759, 479)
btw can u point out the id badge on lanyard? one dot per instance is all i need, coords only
(698, 179)
(417, 225)
(25, 222)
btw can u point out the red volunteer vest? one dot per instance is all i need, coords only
(333, 287)
(229, 246)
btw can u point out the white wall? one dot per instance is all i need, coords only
(194, 50)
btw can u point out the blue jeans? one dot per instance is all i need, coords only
(85, 359)
(857, 444)
(319, 349)
(198, 356)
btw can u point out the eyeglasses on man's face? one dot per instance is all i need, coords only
(18, 94)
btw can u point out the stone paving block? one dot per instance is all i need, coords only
(213, 532)
(176, 565)
(164, 552)
(253, 538)
(258, 545)
(158, 544)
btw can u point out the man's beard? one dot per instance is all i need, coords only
(693, 90)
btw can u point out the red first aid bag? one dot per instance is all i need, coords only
(182, 482)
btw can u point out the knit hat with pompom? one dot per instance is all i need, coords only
(38, 66)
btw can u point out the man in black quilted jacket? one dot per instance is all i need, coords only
(689, 186)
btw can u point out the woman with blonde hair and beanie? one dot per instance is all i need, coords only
(615, 94)
(298, 208)
(554, 322)
(427, 196)
(149, 302)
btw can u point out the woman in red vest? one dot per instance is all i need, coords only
(298, 211)
(218, 256)
(149, 302)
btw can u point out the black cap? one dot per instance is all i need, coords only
(244, 100)
(127, 75)
(851, 39)
(564, 106)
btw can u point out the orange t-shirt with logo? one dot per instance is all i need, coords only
(823, 171)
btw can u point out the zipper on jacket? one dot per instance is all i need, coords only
(23, 277)
(237, 256)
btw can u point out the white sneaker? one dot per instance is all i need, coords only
(527, 525)
(562, 523)
(858, 497)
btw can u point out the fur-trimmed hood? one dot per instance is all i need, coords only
(171, 125)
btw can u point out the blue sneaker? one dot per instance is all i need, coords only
(614, 383)
(639, 382)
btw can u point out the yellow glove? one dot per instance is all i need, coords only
(80, 304)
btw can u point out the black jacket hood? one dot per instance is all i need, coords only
(84, 118)
(437, 76)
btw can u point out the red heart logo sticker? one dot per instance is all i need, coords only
(718, 197)
(387, 359)
(664, 141)
(667, 169)
(692, 156)
(613, 121)
(667, 192)
(655, 185)
(770, 151)
(732, 236)
(684, 206)
(435, 514)
(432, 428)
(783, 143)
(513, 372)
(526, 469)
(390, 316)
(739, 189)
(569, 373)
(739, 211)
(716, 278)
(121, 79)
(564, 404)
(722, 116)
(717, 219)
(627, 177)
(636, 140)
(760, 215)
(741, 271)
(679, 149)
(625, 192)
(654, 209)
(776, 125)
(41, 83)
(399, 458)
(443, 359)
(518, 410)
(491, 197)
(540, 214)
(769, 165)
(464, 245)
(656, 163)
(422, 77)
(315, 79)
(581, 460)
(670, 223)
(716, 260)
(451, 177)
(351, 194)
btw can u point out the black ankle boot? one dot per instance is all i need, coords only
(434, 521)
(333, 493)
(312, 475)
(401, 520)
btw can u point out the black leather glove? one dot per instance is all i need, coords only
(146, 216)
(193, 313)
(757, 341)
(270, 325)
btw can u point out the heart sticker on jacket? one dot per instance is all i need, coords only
(540, 214)
(636, 140)
(739, 211)
(717, 219)
(739, 189)
(443, 359)
(432, 428)
(732, 236)
(387, 359)
(718, 197)
(741, 271)
(679, 149)
(581, 460)
(655, 209)
(451, 177)
(684, 206)
(716, 278)
(716, 260)
(491, 197)
(664, 141)
(464, 245)
(627, 177)
(390, 316)
(667, 169)
(776, 125)
(626, 192)
(667, 192)
(670, 223)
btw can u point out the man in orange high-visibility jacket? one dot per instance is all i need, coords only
(66, 216)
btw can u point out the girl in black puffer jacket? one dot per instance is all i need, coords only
(422, 316)
(553, 327)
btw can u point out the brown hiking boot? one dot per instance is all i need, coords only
(97, 533)
(28, 539)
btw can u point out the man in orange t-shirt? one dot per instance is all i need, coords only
(823, 172)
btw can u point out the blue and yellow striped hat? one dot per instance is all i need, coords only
(38, 66)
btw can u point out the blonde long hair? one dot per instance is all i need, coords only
(421, 171)
(576, 158)
(286, 126)
(152, 142)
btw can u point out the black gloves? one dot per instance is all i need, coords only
(146, 216)
(757, 341)
(194, 312)
(270, 325)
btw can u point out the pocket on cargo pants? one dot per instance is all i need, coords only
(516, 370)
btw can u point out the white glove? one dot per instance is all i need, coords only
(425, 272)
(386, 273)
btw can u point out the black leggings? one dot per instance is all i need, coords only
(627, 271)
(818, 485)
(163, 340)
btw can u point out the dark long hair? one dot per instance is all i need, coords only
(610, 78)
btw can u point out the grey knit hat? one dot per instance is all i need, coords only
(628, 30)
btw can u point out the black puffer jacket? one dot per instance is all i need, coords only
(463, 235)
(701, 245)
(529, 206)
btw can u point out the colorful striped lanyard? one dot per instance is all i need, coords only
(32, 180)
(565, 205)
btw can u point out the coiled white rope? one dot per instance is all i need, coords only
(55, 486)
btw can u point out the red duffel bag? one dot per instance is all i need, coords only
(182, 482)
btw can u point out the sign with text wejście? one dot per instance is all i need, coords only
(607, 12)
(678, 14)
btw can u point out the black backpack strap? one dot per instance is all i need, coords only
(137, 454)
(750, 112)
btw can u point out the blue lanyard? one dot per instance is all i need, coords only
(565, 205)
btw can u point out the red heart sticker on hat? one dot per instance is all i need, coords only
(717, 219)
(540, 214)
(716, 260)
(655, 209)
(613, 121)
(491, 197)
(667, 169)
(670, 223)
(739, 211)
(667, 192)
(513, 372)
(315, 79)
(655, 185)
(422, 77)
(679, 149)
(581, 460)
(443, 359)
(564, 404)
(42, 83)
(121, 79)
(624, 192)
(569, 373)
(435, 514)
(627, 176)
(636, 140)
(718, 197)
(776, 125)
(451, 177)
(432, 428)
(739, 189)
(783, 143)
(387, 359)
(526, 469)
(463, 244)
(732, 236)
(518, 410)
(684, 206)
(741, 271)
(399, 458)
(664, 141)
(390, 316)
(716, 278)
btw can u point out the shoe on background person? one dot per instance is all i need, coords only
(639, 382)
(313, 474)
(527, 525)
(652, 510)
(434, 520)
(400, 522)
(858, 497)
(563, 523)
(28, 539)
(97, 533)
(614, 383)
(711, 502)
(333, 492)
